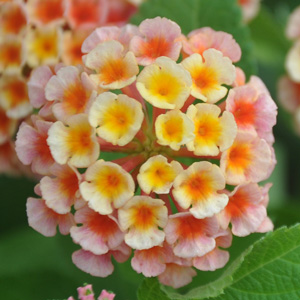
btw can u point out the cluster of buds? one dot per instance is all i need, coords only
(289, 85)
(155, 146)
(86, 293)
(42, 32)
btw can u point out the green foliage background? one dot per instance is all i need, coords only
(33, 267)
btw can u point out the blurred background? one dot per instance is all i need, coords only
(35, 267)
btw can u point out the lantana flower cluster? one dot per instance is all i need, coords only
(289, 84)
(42, 32)
(153, 151)
(86, 293)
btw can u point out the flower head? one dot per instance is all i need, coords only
(161, 183)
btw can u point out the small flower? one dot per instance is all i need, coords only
(252, 111)
(245, 209)
(12, 55)
(140, 218)
(36, 85)
(75, 143)
(117, 118)
(13, 18)
(160, 38)
(85, 14)
(212, 133)
(174, 129)
(209, 74)
(248, 159)
(106, 295)
(98, 233)
(45, 220)
(196, 189)
(114, 68)
(43, 46)
(106, 184)
(32, 147)
(42, 12)
(13, 96)
(206, 38)
(164, 84)
(61, 191)
(189, 236)
(157, 175)
(73, 90)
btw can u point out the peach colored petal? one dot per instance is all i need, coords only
(13, 18)
(174, 129)
(61, 191)
(151, 262)
(12, 55)
(212, 133)
(205, 38)
(164, 84)
(73, 90)
(141, 217)
(160, 39)
(189, 236)
(117, 118)
(114, 68)
(86, 14)
(36, 85)
(75, 144)
(43, 12)
(45, 220)
(96, 265)
(98, 233)
(248, 159)
(106, 185)
(157, 175)
(209, 74)
(32, 147)
(14, 96)
(43, 45)
(196, 189)
(177, 276)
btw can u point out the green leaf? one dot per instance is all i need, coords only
(268, 270)
(150, 290)
(224, 15)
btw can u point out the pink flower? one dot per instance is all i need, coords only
(98, 234)
(32, 148)
(189, 236)
(45, 220)
(160, 39)
(205, 38)
(245, 209)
